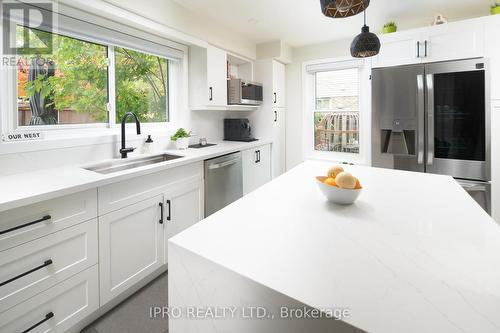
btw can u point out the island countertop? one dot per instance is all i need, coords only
(415, 253)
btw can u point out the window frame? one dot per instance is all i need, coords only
(309, 70)
(176, 89)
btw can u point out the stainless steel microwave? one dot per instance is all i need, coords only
(241, 92)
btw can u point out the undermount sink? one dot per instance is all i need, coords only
(125, 164)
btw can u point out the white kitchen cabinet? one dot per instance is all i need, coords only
(256, 167)
(57, 309)
(21, 225)
(450, 41)
(269, 122)
(492, 51)
(278, 84)
(207, 77)
(33, 267)
(131, 246)
(400, 48)
(279, 138)
(457, 40)
(184, 206)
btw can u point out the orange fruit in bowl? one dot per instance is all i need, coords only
(358, 184)
(345, 180)
(330, 181)
(334, 171)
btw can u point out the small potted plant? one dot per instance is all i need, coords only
(181, 138)
(390, 27)
(495, 8)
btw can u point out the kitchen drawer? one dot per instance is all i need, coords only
(28, 269)
(68, 302)
(119, 195)
(21, 225)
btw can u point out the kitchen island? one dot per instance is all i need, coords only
(415, 253)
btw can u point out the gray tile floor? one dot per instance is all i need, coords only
(132, 315)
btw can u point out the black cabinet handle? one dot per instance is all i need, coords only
(275, 98)
(46, 263)
(45, 218)
(425, 47)
(418, 49)
(161, 213)
(169, 210)
(211, 98)
(258, 153)
(275, 116)
(47, 317)
(257, 156)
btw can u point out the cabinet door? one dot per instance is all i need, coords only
(183, 208)
(459, 40)
(130, 246)
(278, 148)
(256, 168)
(278, 84)
(400, 48)
(216, 76)
(492, 51)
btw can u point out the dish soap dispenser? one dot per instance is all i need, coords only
(148, 145)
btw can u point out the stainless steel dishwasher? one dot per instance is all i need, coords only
(223, 181)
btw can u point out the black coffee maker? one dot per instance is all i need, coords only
(238, 130)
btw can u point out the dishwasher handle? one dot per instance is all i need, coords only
(223, 164)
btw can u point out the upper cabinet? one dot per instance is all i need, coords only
(492, 51)
(450, 41)
(278, 84)
(207, 76)
(209, 70)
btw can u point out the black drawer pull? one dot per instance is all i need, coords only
(46, 263)
(169, 210)
(45, 218)
(161, 213)
(47, 317)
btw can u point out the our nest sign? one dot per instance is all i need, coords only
(25, 136)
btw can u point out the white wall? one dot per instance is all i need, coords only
(294, 124)
(170, 13)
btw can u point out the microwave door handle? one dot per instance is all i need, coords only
(430, 118)
(420, 119)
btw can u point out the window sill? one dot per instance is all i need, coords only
(70, 138)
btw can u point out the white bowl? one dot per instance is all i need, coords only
(336, 194)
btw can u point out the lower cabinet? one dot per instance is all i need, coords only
(183, 208)
(131, 246)
(56, 309)
(256, 168)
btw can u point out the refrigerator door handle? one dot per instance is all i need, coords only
(430, 118)
(420, 118)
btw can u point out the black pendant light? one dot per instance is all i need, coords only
(366, 44)
(343, 8)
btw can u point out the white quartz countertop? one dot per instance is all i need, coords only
(26, 188)
(415, 253)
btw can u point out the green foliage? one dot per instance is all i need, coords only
(495, 4)
(181, 133)
(390, 24)
(141, 85)
(81, 80)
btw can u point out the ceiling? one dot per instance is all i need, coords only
(300, 22)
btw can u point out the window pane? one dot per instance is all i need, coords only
(141, 85)
(337, 90)
(69, 86)
(336, 120)
(336, 131)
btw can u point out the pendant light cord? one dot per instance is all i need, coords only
(364, 17)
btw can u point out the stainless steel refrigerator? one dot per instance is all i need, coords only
(435, 118)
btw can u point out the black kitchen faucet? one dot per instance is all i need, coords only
(124, 151)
